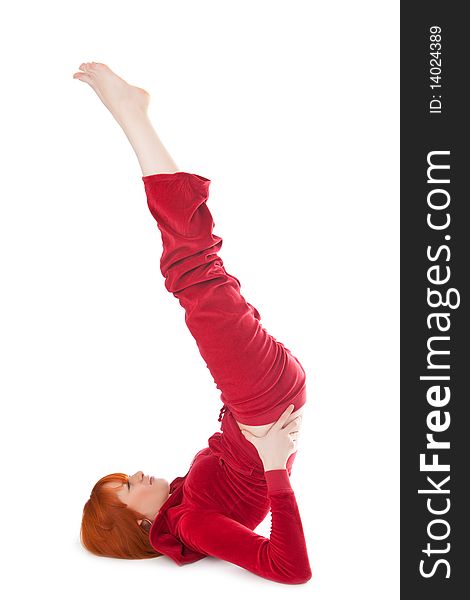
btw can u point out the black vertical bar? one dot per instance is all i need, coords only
(435, 259)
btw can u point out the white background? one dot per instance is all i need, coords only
(291, 109)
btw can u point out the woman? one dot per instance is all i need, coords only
(244, 471)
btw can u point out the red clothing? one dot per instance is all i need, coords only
(226, 493)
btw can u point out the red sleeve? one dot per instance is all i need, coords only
(282, 558)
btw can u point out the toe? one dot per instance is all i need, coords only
(90, 69)
(82, 77)
(97, 67)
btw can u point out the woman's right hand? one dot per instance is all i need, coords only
(279, 443)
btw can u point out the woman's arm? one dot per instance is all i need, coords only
(282, 558)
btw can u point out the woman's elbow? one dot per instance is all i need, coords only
(306, 574)
(300, 577)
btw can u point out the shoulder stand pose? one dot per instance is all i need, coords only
(244, 472)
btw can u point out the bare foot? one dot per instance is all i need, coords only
(119, 97)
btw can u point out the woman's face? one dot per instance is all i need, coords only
(143, 494)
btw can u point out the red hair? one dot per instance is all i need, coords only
(110, 528)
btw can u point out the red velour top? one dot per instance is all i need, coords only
(226, 493)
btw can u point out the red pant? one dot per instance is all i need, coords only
(257, 376)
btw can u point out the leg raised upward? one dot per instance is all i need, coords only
(128, 104)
